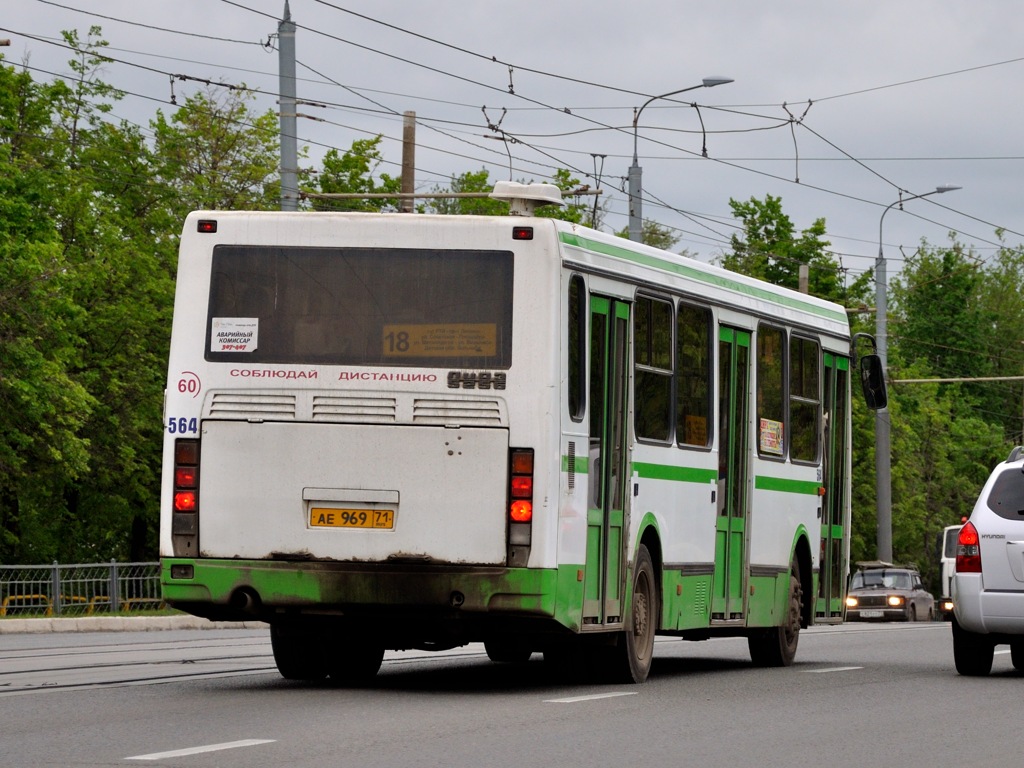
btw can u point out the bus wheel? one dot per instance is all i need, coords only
(776, 646)
(634, 648)
(1017, 655)
(504, 651)
(356, 662)
(297, 653)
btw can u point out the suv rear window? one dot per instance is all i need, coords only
(1007, 496)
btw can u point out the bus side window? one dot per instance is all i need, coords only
(652, 352)
(804, 399)
(693, 376)
(577, 352)
(771, 404)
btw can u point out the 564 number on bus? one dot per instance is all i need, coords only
(182, 425)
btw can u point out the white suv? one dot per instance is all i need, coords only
(988, 586)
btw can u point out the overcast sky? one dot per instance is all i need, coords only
(837, 106)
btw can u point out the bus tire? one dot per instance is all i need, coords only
(356, 661)
(776, 646)
(1017, 655)
(297, 654)
(504, 651)
(634, 648)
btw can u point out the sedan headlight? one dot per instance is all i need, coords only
(851, 601)
(895, 601)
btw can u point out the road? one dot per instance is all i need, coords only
(858, 695)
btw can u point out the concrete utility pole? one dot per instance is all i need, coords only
(409, 162)
(883, 450)
(635, 174)
(286, 105)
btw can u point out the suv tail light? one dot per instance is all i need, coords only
(968, 550)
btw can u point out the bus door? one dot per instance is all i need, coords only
(608, 462)
(832, 564)
(727, 600)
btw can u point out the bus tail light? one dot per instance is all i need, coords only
(185, 515)
(520, 505)
(968, 550)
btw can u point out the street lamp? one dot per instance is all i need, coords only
(636, 172)
(883, 458)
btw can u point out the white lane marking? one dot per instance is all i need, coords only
(593, 697)
(200, 750)
(834, 669)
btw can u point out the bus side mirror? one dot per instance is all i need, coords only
(872, 380)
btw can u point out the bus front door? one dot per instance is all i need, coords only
(727, 600)
(828, 606)
(608, 464)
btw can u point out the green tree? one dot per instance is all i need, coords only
(770, 250)
(657, 235)
(215, 153)
(353, 172)
(937, 313)
(1002, 304)
(42, 406)
(479, 183)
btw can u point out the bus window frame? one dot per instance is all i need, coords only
(711, 351)
(669, 373)
(783, 390)
(791, 398)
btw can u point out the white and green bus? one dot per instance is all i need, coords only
(403, 431)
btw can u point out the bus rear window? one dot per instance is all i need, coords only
(360, 306)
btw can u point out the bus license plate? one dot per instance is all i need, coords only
(323, 517)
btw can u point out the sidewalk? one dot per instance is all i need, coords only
(119, 624)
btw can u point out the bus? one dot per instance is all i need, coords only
(405, 431)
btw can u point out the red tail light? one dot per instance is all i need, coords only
(520, 492)
(185, 518)
(185, 501)
(968, 550)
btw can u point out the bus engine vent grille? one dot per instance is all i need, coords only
(451, 411)
(234, 405)
(354, 409)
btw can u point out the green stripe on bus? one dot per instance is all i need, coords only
(579, 464)
(677, 474)
(782, 485)
(722, 281)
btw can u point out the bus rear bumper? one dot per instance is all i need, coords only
(281, 591)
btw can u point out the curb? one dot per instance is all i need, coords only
(120, 624)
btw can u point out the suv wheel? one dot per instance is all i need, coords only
(972, 652)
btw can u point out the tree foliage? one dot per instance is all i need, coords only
(952, 316)
(352, 172)
(770, 249)
(90, 209)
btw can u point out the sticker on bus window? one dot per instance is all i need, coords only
(440, 340)
(771, 437)
(234, 334)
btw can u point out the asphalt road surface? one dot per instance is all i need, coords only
(858, 695)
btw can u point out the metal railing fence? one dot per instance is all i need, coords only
(81, 589)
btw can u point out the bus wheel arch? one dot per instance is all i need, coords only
(776, 646)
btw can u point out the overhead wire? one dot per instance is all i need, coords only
(540, 105)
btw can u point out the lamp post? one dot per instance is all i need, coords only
(883, 458)
(636, 221)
